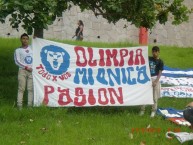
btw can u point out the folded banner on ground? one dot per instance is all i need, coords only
(177, 81)
(180, 81)
(67, 75)
(177, 91)
(179, 121)
(173, 115)
(170, 112)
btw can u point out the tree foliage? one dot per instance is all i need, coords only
(143, 13)
(32, 14)
(38, 14)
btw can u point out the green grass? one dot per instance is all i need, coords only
(177, 57)
(83, 126)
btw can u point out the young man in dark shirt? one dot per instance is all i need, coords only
(156, 67)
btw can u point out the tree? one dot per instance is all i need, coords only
(143, 13)
(38, 14)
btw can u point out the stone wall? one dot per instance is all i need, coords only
(95, 29)
(168, 34)
(98, 29)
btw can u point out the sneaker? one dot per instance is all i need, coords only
(152, 114)
(141, 113)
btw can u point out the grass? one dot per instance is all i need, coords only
(83, 126)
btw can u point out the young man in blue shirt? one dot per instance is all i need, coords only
(156, 67)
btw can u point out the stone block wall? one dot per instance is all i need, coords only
(168, 34)
(98, 29)
(95, 28)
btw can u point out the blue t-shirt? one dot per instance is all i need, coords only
(155, 65)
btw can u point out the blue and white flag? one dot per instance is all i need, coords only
(170, 112)
(173, 115)
(177, 73)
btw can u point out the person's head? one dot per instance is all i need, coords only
(80, 22)
(155, 52)
(24, 39)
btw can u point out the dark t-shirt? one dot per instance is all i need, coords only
(77, 30)
(155, 65)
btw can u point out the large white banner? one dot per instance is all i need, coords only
(67, 75)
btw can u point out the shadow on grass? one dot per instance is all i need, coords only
(104, 110)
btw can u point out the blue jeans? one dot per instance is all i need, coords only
(80, 38)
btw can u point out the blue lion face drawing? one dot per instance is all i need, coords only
(55, 59)
(28, 59)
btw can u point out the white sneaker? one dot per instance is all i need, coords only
(152, 114)
(141, 113)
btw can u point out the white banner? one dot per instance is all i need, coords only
(180, 81)
(67, 75)
(177, 91)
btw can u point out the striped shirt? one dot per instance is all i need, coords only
(23, 57)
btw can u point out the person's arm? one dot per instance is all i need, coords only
(157, 79)
(76, 32)
(161, 67)
(190, 104)
(18, 60)
(19, 63)
(29, 69)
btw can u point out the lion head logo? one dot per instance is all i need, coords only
(28, 60)
(55, 59)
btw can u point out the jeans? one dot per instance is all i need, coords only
(25, 77)
(156, 96)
